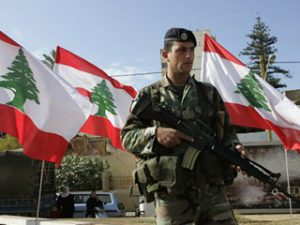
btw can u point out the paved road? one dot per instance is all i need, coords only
(257, 219)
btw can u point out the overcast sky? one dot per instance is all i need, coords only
(124, 37)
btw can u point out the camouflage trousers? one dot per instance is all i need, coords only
(214, 209)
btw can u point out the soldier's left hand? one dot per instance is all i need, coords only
(243, 151)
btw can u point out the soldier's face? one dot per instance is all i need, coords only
(180, 58)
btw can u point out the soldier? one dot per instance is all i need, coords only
(186, 184)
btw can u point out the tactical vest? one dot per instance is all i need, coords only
(176, 172)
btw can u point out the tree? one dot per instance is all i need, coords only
(259, 51)
(49, 60)
(80, 173)
(20, 81)
(103, 98)
(8, 143)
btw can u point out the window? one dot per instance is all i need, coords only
(82, 198)
(104, 198)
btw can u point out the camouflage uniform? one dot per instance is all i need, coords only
(188, 185)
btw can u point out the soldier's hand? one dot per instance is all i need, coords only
(243, 151)
(170, 137)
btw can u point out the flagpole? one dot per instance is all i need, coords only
(40, 193)
(288, 181)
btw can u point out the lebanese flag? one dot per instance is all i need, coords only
(36, 106)
(111, 99)
(250, 100)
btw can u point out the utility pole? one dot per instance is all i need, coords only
(264, 67)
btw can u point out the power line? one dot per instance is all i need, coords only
(135, 74)
(141, 74)
(280, 62)
(160, 72)
(288, 62)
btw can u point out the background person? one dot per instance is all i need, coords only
(93, 205)
(65, 203)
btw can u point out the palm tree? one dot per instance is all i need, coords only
(49, 60)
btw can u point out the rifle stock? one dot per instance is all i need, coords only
(146, 110)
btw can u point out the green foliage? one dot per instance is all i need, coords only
(80, 173)
(49, 60)
(259, 49)
(9, 143)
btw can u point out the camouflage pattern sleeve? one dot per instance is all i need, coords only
(222, 124)
(138, 136)
(230, 138)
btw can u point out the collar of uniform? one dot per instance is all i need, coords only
(166, 83)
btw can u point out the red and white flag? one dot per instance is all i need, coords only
(250, 100)
(38, 107)
(111, 99)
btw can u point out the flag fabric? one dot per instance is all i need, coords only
(111, 99)
(36, 106)
(250, 100)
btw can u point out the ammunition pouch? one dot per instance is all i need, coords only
(154, 174)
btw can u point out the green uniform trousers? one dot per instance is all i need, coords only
(214, 209)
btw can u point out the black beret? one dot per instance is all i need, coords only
(180, 34)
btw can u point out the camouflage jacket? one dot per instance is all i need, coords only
(200, 101)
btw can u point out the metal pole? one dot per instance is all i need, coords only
(40, 193)
(288, 180)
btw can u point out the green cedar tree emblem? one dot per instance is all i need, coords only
(20, 81)
(103, 98)
(253, 91)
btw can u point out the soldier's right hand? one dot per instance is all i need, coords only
(170, 137)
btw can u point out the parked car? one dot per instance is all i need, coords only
(112, 207)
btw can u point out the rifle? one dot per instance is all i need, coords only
(145, 109)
